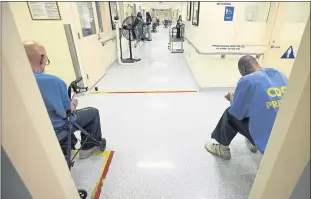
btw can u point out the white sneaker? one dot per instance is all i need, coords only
(219, 150)
(251, 147)
(87, 153)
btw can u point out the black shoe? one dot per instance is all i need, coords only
(103, 144)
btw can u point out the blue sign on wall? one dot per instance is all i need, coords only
(229, 11)
(289, 53)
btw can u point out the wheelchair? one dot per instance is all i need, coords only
(68, 143)
(167, 23)
(154, 28)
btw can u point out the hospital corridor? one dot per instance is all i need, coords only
(150, 100)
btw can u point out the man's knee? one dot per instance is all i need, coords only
(226, 112)
(93, 112)
(228, 115)
(88, 113)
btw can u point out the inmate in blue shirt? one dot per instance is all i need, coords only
(54, 93)
(258, 97)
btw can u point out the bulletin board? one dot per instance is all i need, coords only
(44, 10)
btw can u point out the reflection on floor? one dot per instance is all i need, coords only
(159, 139)
(158, 69)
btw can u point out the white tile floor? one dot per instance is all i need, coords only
(158, 69)
(159, 139)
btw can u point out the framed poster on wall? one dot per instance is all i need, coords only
(189, 6)
(113, 8)
(44, 10)
(195, 13)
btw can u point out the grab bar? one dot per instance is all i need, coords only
(223, 54)
(106, 41)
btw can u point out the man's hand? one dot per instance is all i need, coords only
(74, 104)
(229, 96)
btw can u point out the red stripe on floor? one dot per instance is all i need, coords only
(137, 92)
(104, 174)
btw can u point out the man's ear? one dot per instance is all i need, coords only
(243, 69)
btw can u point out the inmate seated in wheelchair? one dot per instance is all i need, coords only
(57, 102)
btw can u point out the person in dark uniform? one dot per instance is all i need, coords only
(178, 26)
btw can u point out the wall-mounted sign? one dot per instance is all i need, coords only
(44, 10)
(228, 47)
(289, 54)
(229, 11)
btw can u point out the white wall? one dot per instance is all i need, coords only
(288, 149)
(211, 70)
(162, 14)
(253, 28)
(51, 34)
(179, 9)
(93, 57)
(27, 133)
(287, 31)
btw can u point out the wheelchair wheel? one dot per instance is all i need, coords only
(82, 193)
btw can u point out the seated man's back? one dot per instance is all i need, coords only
(259, 98)
(254, 106)
(57, 101)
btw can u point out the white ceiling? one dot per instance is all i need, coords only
(160, 5)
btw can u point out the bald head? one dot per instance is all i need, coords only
(36, 55)
(247, 65)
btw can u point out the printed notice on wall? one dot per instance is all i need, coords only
(228, 47)
(44, 10)
(223, 3)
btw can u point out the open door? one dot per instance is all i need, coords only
(88, 26)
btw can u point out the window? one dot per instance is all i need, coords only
(257, 11)
(86, 15)
(99, 16)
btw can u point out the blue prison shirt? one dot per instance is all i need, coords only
(258, 97)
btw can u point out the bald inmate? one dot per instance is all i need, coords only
(57, 102)
(36, 55)
(247, 65)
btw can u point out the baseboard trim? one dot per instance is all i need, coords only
(115, 62)
(191, 73)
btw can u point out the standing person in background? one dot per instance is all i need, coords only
(166, 19)
(138, 28)
(158, 20)
(178, 26)
(149, 21)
